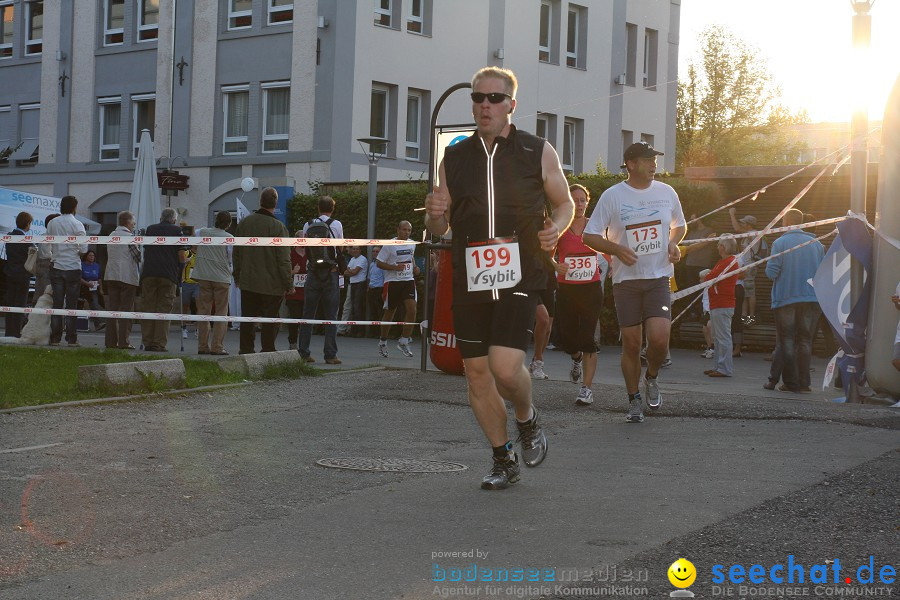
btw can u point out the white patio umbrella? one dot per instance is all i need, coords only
(145, 203)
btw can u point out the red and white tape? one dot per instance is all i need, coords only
(145, 240)
(732, 272)
(737, 236)
(144, 316)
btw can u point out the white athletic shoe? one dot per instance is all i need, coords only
(575, 372)
(585, 396)
(404, 348)
(382, 349)
(536, 368)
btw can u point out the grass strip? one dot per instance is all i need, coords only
(32, 376)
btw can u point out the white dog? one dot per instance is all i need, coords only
(37, 330)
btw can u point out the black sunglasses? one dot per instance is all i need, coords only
(493, 97)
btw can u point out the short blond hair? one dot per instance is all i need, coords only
(512, 84)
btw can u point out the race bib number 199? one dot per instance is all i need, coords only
(493, 264)
(646, 238)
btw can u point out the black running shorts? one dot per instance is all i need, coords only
(578, 310)
(398, 292)
(639, 299)
(508, 322)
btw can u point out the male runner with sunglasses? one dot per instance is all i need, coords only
(492, 192)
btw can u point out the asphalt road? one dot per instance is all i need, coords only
(219, 495)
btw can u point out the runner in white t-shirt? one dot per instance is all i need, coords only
(399, 287)
(640, 223)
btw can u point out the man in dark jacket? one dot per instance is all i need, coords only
(159, 280)
(262, 273)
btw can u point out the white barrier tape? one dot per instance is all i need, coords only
(144, 240)
(890, 240)
(732, 272)
(754, 195)
(737, 236)
(768, 228)
(144, 316)
(687, 308)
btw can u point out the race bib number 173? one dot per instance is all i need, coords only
(646, 238)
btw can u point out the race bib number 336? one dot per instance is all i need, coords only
(582, 267)
(646, 238)
(493, 264)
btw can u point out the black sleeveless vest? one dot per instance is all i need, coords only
(497, 192)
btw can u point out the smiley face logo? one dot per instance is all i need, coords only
(682, 573)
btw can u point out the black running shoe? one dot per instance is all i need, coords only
(534, 442)
(504, 473)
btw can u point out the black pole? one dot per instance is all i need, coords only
(431, 168)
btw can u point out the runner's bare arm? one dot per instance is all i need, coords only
(602, 244)
(556, 188)
(676, 234)
(437, 206)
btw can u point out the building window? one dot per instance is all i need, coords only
(383, 12)
(651, 37)
(545, 127)
(143, 117)
(110, 126)
(113, 22)
(572, 38)
(281, 11)
(148, 20)
(7, 14)
(544, 34)
(415, 20)
(34, 27)
(6, 144)
(627, 139)
(29, 135)
(276, 116)
(413, 125)
(630, 53)
(235, 104)
(573, 133)
(240, 14)
(542, 127)
(576, 37)
(378, 120)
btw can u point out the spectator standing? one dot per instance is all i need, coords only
(374, 296)
(357, 271)
(90, 285)
(17, 277)
(121, 279)
(189, 288)
(721, 307)
(42, 265)
(322, 287)
(159, 281)
(262, 273)
(747, 224)
(794, 303)
(701, 258)
(212, 272)
(294, 300)
(65, 269)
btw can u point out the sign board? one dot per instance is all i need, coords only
(446, 136)
(172, 181)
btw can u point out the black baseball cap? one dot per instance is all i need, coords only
(640, 150)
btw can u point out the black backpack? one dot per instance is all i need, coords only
(320, 257)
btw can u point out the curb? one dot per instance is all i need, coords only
(168, 393)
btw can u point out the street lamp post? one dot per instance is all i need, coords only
(377, 145)
(859, 155)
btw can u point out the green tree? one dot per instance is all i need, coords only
(728, 110)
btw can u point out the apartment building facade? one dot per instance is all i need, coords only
(281, 90)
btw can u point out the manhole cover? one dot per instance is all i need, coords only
(403, 465)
